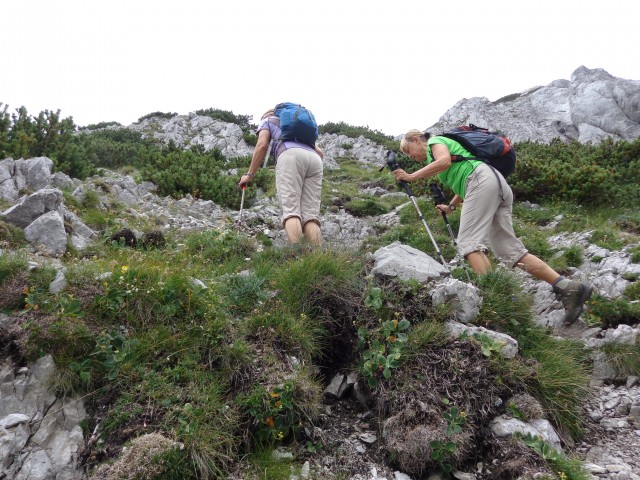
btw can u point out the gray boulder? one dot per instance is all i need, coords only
(504, 426)
(40, 434)
(47, 234)
(33, 173)
(463, 298)
(81, 235)
(18, 175)
(509, 345)
(406, 263)
(33, 206)
(8, 190)
(63, 181)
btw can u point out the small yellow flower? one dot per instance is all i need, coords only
(269, 421)
(280, 435)
(395, 323)
(124, 269)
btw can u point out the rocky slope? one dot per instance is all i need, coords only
(44, 445)
(590, 107)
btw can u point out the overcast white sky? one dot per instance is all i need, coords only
(389, 65)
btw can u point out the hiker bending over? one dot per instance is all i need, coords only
(486, 216)
(298, 179)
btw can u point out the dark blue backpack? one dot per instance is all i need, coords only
(492, 148)
(297, 123)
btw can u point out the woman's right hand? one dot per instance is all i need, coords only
(401, 175)
(244, 181)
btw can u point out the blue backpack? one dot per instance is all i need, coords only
(297, 123)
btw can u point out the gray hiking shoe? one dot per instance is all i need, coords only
(572, 294)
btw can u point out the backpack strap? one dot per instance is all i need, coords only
(275, 144)
(460, 158)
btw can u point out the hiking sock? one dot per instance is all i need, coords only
(561, 283)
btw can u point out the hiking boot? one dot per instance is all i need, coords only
(572, 294)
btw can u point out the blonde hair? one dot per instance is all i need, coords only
(268, 113)
(406, 139)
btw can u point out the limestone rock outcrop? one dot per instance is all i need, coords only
(590, 107)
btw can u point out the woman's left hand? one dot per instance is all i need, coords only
(444, 209)
(402, 175)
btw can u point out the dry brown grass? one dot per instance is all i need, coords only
(423, 389)
(138, 460)
(12, 291)
(409, 433)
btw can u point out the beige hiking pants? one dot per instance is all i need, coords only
(487, 217)
(299, 184)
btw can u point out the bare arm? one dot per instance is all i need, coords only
(441, 162)
(264, 136)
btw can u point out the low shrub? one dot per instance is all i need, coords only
(165, 115)
(215, 247)
(342, 128)
(585, 174)
(11, 236)
(320, 282)
(243, 121)
(101, 125)
(607, 238)
(624, 358)
(609, 313)
(632, 292)
(242, 293)
(365, 207)
(566, 468)
(12, 264)
(571, 257)
(629, 222)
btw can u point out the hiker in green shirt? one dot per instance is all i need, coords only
(486, 216)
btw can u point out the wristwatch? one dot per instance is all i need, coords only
(452, 207)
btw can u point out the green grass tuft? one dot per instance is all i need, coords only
(562, 375)
(624, 358)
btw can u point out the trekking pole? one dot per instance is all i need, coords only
(439, 199)
(392, 163)
(244, 187)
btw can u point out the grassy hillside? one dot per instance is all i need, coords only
(222, 343)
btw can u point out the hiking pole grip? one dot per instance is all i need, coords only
(438, 198)
(392, 164)
(406, 187)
